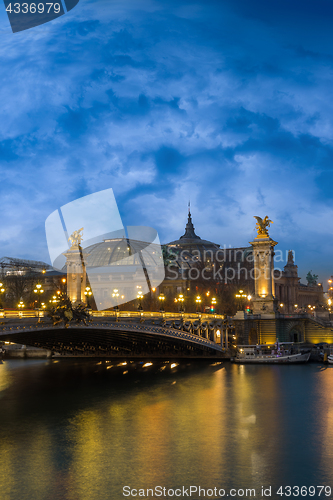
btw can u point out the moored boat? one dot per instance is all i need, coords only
(271, 353)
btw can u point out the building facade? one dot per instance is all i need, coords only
(191, 263)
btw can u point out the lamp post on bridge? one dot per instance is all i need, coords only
(38, 290)
(88, 293)
(241, 296)
(140, 297)
(161, 298)
(181, 300)
(20, 306)
(198, 302)
(2, 291)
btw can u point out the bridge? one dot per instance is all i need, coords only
(122, 334)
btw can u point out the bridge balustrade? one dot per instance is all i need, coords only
(117, 314)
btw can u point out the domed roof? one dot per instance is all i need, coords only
(121, 251)
(192, 241)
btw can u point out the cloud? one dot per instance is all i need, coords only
(227, 104)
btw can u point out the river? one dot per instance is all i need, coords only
(83, 430)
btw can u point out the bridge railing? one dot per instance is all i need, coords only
(21, 314)
(155, 314)
(117, 314)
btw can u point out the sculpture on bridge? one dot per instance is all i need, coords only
(312, 279)
(262, 225)
(76, 238)
(66, 312)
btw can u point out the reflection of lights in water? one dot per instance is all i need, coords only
(162, 368)
(147, 364)
(99, 363)
(124, 373)
(108, 367)
(173, 383)
(5, 377)
(249, 420)
(173, 365)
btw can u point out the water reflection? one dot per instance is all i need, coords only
(77, 430)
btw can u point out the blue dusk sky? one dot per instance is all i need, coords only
(226, 103)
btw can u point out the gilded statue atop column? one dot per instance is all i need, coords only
(76, 238)
(262, 225)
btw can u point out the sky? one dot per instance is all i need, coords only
(227, 104)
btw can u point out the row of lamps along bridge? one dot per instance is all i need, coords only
(180, 299)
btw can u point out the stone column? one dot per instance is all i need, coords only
(264, 301)
(76, 275)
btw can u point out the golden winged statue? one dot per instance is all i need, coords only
(76, 238)
(262, 225)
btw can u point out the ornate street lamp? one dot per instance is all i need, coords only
(20, 306)
(38, 290)
(181, 300)
(88, 293)
(63, 284)
(198, 302)
(2, 290)
(115, 295)
(213, 305)
(161, 298)
(140, 297)
(54, 299)
(241, 296)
